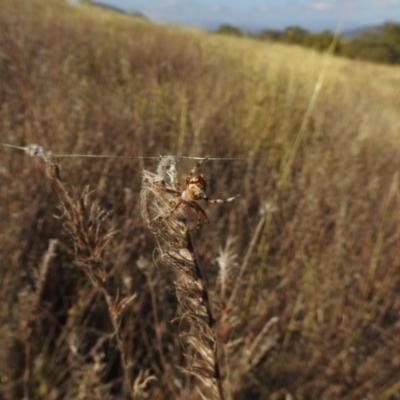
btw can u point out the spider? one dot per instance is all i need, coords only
(196, 186)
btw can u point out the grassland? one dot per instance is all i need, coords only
(309, 304)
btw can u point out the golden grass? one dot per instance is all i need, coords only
(302, 270)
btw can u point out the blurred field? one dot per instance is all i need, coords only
(326, 263)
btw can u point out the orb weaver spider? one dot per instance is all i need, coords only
(196, 187)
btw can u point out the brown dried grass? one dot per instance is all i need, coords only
(308, 306)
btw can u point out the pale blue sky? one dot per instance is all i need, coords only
(275, 14)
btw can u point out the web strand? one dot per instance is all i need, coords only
(35, 150)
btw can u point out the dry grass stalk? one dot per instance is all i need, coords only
(241, 98)
(242, 353)
(178, 253)
(84, 221)
(33, 309)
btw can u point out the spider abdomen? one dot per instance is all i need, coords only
(196, 188)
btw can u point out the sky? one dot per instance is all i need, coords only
(253, 15)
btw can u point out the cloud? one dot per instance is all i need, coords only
(326, 5)
(320, 6)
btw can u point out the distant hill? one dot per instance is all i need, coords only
(118, 10)
(109, 7)
(355, 33)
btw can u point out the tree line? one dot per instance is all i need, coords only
(380, 47)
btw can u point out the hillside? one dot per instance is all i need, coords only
(301, 271)
(355, 33)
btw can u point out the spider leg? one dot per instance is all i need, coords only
(167, 190)
(220, 201)
(201, 214)
(199, 218)
(164, 188)
(172, 191)
(179, 186)
(194, 169)
(177, 205)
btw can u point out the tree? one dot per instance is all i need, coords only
(269, 34)
(227, 29)
(390, 41)
(294, 34)
(320, 41)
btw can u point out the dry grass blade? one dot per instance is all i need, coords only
(84, 222)
(141, 383)
(178, 253)
(79, 81)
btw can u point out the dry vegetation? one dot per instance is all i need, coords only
(305, 298)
